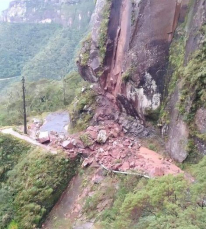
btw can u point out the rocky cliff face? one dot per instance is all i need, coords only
(186, 99)
(127, 57)
(138, 38)
(66, 12)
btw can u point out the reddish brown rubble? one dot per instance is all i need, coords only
(107, 146)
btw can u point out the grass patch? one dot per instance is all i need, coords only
(82, 110)
(32, 182)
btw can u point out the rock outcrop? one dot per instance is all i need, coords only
(186, 115)
(128, 60)
(134, 64)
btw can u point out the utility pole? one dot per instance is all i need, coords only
(24, 105)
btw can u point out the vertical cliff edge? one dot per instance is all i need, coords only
(128, 57)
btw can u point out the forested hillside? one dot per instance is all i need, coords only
(20, 43)
(43, 50)
(31, 181)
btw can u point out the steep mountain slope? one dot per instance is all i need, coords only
(42, 42)
(127, 57)
(32, 180)
(19, 43)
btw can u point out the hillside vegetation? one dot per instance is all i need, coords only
(41, 96)
(131, 202)
(48, 50)
(32, 180)
(37, 50)
(19, 43)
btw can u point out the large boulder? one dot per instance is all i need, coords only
(44, 137)
(102, 136)
(69, 144)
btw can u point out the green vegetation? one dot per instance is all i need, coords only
(85, 52)
(165, 202)
(67, 9)
(10, 152)
(129, 73)
(133, 12)
(194, 83)
(56, 58)
(82, 110)
(103, 30)
(152, 115)
(38, 51)
(189, 81)
(45, 55)
(102, 46)
(47, 50)
(41, 96)
(32, 180)
(176, 62)
(21, 42)
(86, 139)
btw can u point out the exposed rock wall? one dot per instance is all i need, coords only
(133, 74)
(138, 38)
(182, 134)
(196, 19)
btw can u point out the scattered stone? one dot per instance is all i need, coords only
(94, 165)
(100, 150)
(157, 172)
(117, 166)
(92, 147)
(125, 166)
(68, 144)
(102, 136)
(123, 155)
(84, 152)
(79, 144)
(132, 164)
(106, 153)
(116, 154)
(126, 142)
(87, 162)
(44, 137)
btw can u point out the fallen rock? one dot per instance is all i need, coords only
(117, 166)
(84, 152)
(116, 154)
(92, 132)
(87, 162)
(157, 172)
(37, 121)
(44, 137)
(79, 144)
(115, 132)
(125, 166)
(102, 136)
(126, 142)
(68, 144)
(100, 150)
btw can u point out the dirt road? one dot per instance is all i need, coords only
(27, 139)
